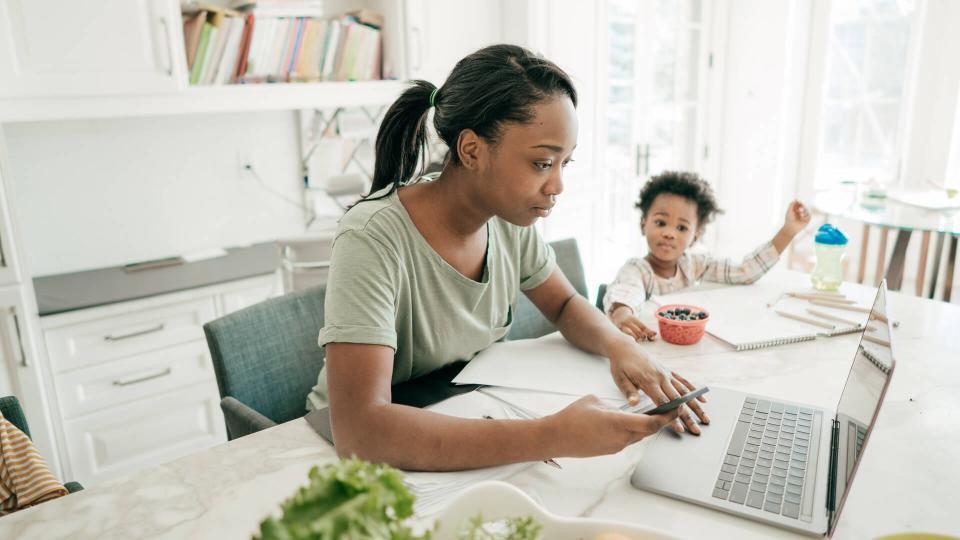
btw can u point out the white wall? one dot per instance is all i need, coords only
(938, 81)
(762, 61)
(97, 193)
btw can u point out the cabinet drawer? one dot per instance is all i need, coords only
(120, 440)
(86, 390)
(134, 332)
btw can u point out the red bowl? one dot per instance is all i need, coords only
(681, 332)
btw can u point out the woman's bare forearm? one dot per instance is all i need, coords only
(417, 439)
(587, 328)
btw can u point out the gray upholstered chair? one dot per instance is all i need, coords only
(528, 322)
(267, 360)
(601, 292)
(11, 410)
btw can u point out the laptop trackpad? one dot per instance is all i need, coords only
(686, 465)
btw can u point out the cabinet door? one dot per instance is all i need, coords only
(65, 47)
(439, 34)
(144, 433)
(20, 370)
(8, 270)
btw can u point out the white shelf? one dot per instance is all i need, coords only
(204, 99)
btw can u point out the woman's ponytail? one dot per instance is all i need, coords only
(402, 138)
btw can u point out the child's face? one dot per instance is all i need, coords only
(670, 226)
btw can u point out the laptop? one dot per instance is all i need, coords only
(782, 463)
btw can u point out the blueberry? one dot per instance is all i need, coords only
(664, 314)
(683, 317)
(703, 314)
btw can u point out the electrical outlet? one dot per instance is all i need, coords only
(244, 161)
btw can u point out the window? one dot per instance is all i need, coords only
(864, 91)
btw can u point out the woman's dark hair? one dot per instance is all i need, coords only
(685, 184)
(496, 85)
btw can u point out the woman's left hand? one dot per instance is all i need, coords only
(634, 371)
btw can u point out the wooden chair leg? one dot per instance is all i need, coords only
(881, 256)
(863, 253)
(894, 274)
(936, 265)
(951, 262)
(922, 269)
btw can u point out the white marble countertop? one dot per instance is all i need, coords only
(908, 475)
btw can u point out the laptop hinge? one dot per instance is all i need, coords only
(832, 472)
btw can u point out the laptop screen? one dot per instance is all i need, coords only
(860, 400)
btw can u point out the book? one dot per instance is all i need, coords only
(223, 26)
(192, 29)
(741, 317)
(197, 69)
(228, 61)
(244, 52)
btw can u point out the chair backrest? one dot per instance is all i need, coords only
(266, 355)
(601, 292)
(528, 322)
(10, 407)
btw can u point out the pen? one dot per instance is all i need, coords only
(804, 319)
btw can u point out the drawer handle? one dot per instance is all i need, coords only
(127, 382)
(156, 328)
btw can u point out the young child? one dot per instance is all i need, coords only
(675, 207)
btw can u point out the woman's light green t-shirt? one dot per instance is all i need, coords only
(387, 286)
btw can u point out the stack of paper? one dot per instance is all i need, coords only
(433, 490)
(549, 364)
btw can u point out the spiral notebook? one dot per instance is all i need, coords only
(741, 318)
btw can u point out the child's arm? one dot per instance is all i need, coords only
(624, 297)
(757, 263)
(796, 219)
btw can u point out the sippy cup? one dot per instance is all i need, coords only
(830, 245)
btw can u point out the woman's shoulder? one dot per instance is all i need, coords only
(374, 216)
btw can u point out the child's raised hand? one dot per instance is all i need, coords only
(797, 218)
(628, 323)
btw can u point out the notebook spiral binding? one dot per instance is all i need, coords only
(772, 343)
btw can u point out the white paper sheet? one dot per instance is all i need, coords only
(549, 364)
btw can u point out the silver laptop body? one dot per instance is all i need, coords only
(782, 463)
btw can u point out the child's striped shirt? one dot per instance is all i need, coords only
(636, 281)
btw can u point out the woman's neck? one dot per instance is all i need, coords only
(664, 269)
(447, 204)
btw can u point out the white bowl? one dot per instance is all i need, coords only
(499, 500)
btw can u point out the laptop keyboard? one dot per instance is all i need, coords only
(767, 458)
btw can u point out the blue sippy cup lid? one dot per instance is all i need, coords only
(830, 235)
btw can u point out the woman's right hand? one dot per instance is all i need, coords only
(588, 428)
(628, 323)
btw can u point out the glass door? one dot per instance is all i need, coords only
(655, 74)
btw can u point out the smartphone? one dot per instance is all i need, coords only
(673, 404)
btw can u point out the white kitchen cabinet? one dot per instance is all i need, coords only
(145, 432)
(107, 47)
(12, 350)
(434, 45)
(133, 382)
(9, 273)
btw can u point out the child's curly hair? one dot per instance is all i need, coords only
(685, 184)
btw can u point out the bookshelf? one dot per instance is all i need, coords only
(203, 99)
(96, 79)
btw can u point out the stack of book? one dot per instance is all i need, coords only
(270, 43)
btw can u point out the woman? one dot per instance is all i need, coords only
(425, 273)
